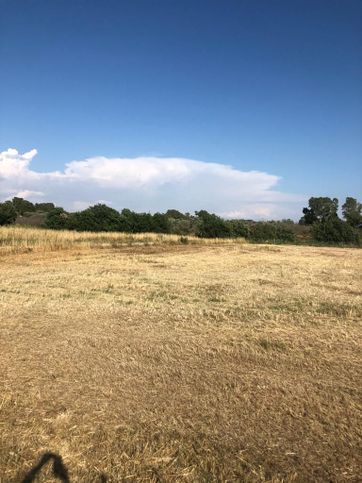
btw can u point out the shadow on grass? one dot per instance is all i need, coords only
(59, 469)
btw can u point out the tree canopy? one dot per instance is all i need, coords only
(319, 209)
(320, 221)
(352, 211)
(7, 213)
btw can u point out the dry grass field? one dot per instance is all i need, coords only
(164, 362)
(20, 239)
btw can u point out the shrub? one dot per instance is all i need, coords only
(212, 226)
(57, 219)
(335, 231)
(160, 223)
(183, 226)
(44, 207)
(272, 232)
(7, 213)
(22, 206)
(96, 218)
(239, 228)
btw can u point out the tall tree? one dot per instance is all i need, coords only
(352, 211)
(320, 209)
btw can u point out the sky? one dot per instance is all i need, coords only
(245, 108)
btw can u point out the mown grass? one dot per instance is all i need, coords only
(182, 363)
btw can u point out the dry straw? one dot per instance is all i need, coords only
(18, 239)
(203, 362)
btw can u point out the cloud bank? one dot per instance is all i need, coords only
(149, 184)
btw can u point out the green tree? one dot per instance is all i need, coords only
(238, 228)
(177, 215)
(143, 222)
(319, 209)
(7, 213)
(160, 223)
(308, 217)
(352, 211)
(57, 219)
(44, 207)
(22, 206)
(128, 221)
(184, 226)
(335, 231)
(211, 226)
(99, 217)
(272, 231)
(137, 222)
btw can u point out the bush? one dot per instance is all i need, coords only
(57, 219)
(160, 223)
(183, 226)
(335, 231)
(96, 218)
(136, 222)
(8, 213)
(285, 232)
(44, 207)
(212, 226)
(177, 215)
(272, 232)
(238, 228)
(22, 206)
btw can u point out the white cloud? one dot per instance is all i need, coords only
(150, 184)
(259, 210)
(29, 195)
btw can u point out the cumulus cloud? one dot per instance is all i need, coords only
(149, 184)
(27, 194)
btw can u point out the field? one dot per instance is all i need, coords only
(159, 360)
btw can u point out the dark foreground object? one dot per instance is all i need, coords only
(59, 469)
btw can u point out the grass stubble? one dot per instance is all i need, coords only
(181, 363)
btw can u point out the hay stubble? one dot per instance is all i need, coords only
(182, 363)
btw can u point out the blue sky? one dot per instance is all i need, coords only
(272, 87)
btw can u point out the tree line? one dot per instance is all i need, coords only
(320, 222)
